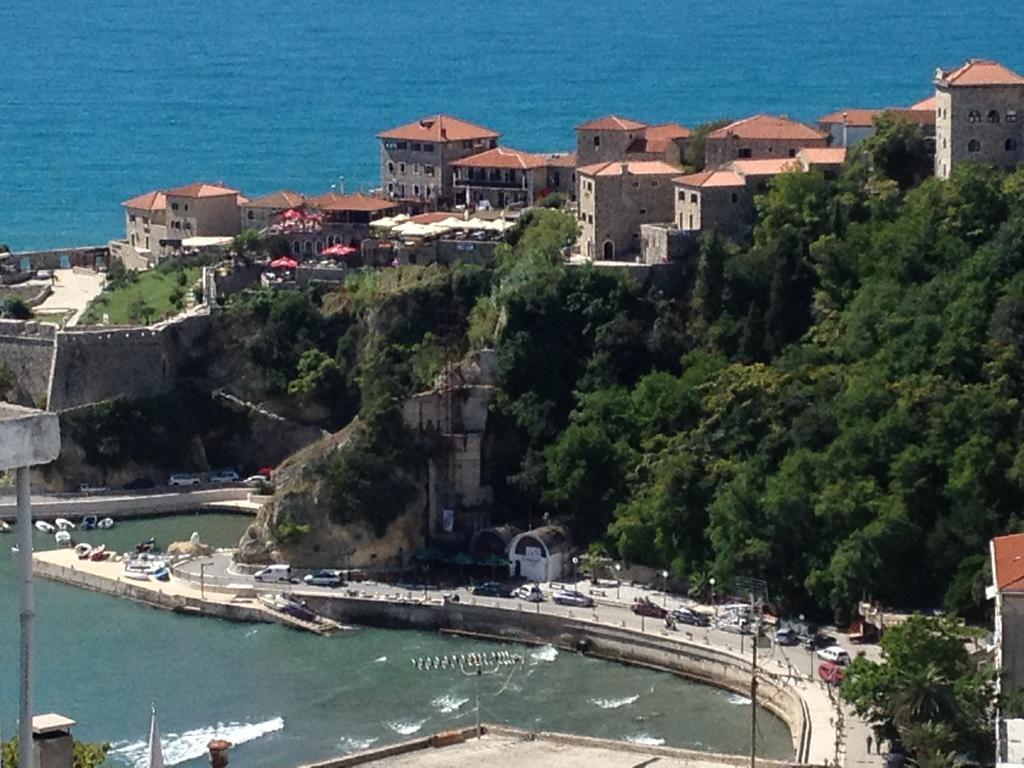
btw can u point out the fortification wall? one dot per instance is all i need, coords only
(27, 350)
(98, 364)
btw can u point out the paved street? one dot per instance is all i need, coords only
(73, 289)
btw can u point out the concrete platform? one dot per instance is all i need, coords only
(27, 437)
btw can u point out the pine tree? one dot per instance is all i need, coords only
(750, 341)
(707, 291)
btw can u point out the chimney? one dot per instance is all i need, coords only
(219, 752)
(625, 169)
(52, 745)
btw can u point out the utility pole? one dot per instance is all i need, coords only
(756, 591)
(753, 695)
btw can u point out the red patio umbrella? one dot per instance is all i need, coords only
(339, 250)
(292, 214)
(284, 263)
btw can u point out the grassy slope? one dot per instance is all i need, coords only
(154, 287)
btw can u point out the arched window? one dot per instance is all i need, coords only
(974, 145)
(993, 116)
(974, 116)
(319, 246)
(1011, 145)
(609, 250)
(735, 197)
(295, 247)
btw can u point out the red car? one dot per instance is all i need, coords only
(831, 673)
(644, 607)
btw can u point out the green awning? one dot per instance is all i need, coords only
(494, 560)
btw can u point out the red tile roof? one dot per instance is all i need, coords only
(768, 127)
(771, 167)
(433, 217)
(561, 159)
(201, 189)
(502, 157)
(822, 155)
(656, 138)
(978, 72)
(1009, 562)
(611, 123)
(717, 178)
(151, 201)
(332, 201)
(280, 200)
(634, 167)
(440, 129)
(925, 104)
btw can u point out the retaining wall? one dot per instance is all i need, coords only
(27, 350)
(127, 507)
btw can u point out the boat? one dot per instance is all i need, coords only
(136, 575)
(45, 527)
(88, 522)
(146, 546)
(64, 524)
(83, 551)
(162, 573)
(106, 523)
(289, 605)
(99, 553)
(63, 539)
(5, 527)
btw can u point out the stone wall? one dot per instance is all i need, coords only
(89, 256)
(27, 351)
(98, 364)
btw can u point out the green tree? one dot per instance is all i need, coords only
(139, 311)
(898, 150)
(86, 755)
(707, 291)
(16, 309)
(693, 156)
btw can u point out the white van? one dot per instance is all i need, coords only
(836, 654)
(278, 572)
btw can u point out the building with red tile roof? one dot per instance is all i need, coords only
(502, 177)
(760, 137)
(848, 126)
(149, 201)
(611, 123)
(354, 203)
(261, 212)
(615, 199)
(201, 189)
(979, 110)
(1006, 555)
(924, 105)
(416, 159)
(620, 138)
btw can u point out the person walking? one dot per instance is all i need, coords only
(869, 743)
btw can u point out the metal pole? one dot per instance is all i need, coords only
(753, 707)
(28, 615)
(479, 674)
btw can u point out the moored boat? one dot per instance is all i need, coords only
(83, 550)
(45, 527)
(106, 523)
(64, 524)
(146, 546)
(5, 527)
(162, 573)
(63, 539)
(99, 553)
(88, 522)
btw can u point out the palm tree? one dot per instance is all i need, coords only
(927, 738)
(922, 694)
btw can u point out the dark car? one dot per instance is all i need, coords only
(644, 607)
(492, 589)
(787, 636)
(818, 641)
(691, 617)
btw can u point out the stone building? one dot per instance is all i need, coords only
(620, 138)
(979, 110)
(615, 199)
(343, 220)
(761, 137)
(540, 555)
(500, 177)
(416, 159)
(1007, 589)
(201, 210)
(260, 212)
(848, 126)
(145, 220)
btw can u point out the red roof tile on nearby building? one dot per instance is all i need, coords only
(767, 127)
(561, 159)
(770, 167)
(151, 201)
(433, 217)
(440, 129)
(855, 118)
(332, 201)
(822, 155)
(716, 178)
(656, 138)
(280, 200)
(502, 157)
(978, 72)
(633, 167)
(928, 104)
(1009, 562)
(611, 123)
(201, 189)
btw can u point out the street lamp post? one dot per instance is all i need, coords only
(714, 605)
(618, 581)
(575, 570)
(664, 578)
(202, 578)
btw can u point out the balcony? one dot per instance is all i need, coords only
(489, 184)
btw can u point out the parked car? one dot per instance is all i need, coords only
(256, 481)
(492, 589)
(642, 606)
(787, 636)
(818, 640)
(277, 572)
(691, 617)
(572, 597)
(736, 626)
(224, 476)
(183, 480)
(326, 577)
(834, 653)
(90, 488)
(831, 673)
(530, 592)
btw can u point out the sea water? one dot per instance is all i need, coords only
(284, 697)
(100, 101)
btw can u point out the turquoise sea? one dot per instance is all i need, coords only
(100, 101)
(286, 697)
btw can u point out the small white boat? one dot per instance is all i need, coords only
(5, 527)
(106, 523)
(64, 524)
(83, 550)
(136, 575)
(63, 539)
(45, 527)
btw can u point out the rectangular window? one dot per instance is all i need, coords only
(744, 152)
(682, 196)
(174, 206)
(416, 146)
(428, 147)
(416, 168)
(643, 211)
(388, 144)
(597, 141)
(401, 167)
(1011, 116)
(694, 198)
(402, 145)
(467, 145)
(131, 218)
(401, 190)
(428, 170)
(251, 215)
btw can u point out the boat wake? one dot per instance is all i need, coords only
(646, 740)
(625, 701)
(448, 704)
(380, 660)
(405, 727)
(349, 744)
(189, 745)
(738, 700)
(546, 653)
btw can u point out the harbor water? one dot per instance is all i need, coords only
(285, 697)
(102, 101)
